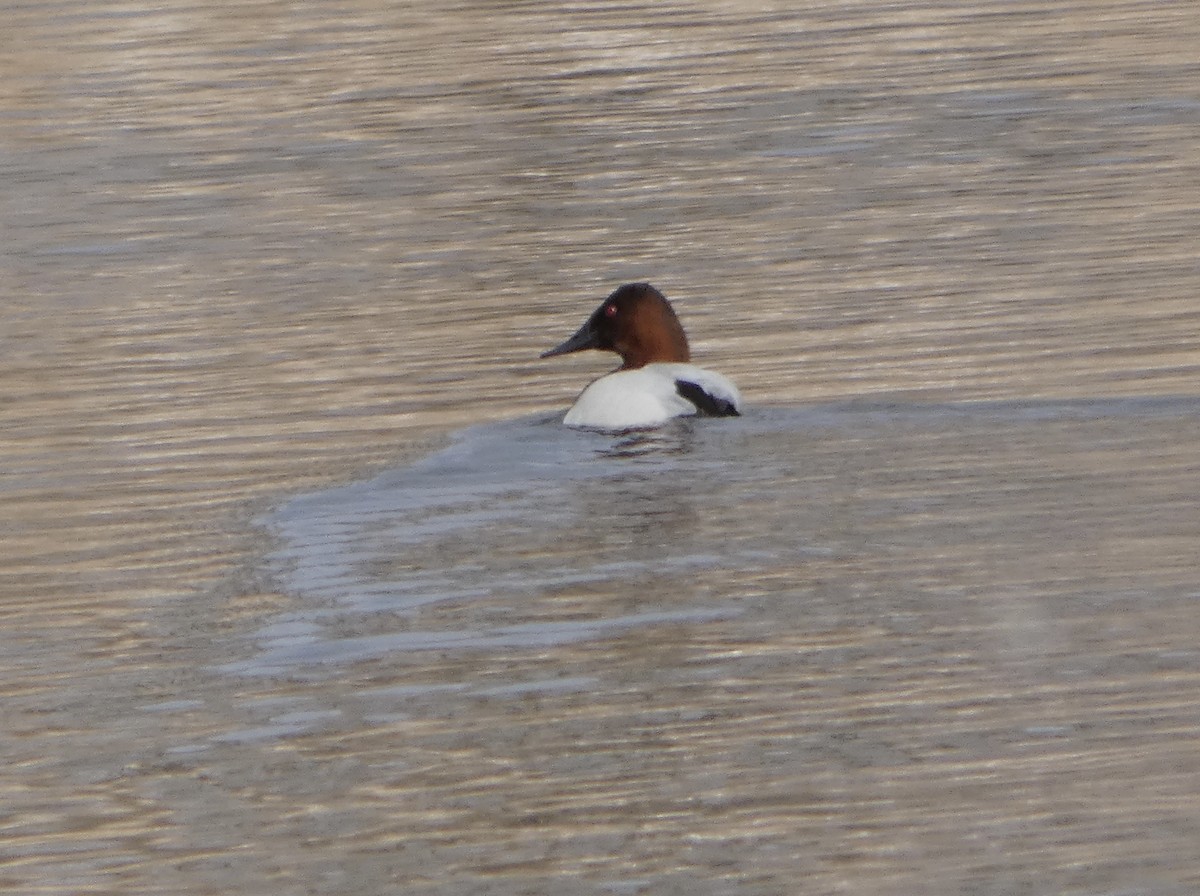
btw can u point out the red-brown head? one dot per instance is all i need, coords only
(638, 323)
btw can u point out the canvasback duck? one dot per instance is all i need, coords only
(655, 381)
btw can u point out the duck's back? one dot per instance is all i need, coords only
(652, 395)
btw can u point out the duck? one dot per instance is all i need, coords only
(656, 381)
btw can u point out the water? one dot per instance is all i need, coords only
(305, 591)
(526, 534)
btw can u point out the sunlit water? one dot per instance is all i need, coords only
(305, 590)
(527, 534)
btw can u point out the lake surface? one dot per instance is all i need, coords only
(305, 590)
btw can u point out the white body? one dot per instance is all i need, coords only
(647, 396)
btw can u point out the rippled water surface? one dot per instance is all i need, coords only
(305, 590)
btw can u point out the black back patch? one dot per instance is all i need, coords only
(707, 404)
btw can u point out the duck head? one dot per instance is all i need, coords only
(638, 323)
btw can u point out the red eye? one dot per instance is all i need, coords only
(610, 310)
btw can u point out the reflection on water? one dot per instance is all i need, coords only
(509, 514)
(923, 621)
(528, 535)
